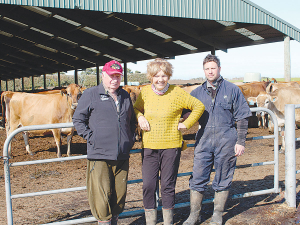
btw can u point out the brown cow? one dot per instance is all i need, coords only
(35, 109)
(5, 99)
(252, 90)
(274, 86)
(190, 88)
(276, 101)
(133, 91)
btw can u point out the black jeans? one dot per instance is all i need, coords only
(167, 161)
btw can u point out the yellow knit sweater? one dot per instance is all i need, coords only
(163, 113)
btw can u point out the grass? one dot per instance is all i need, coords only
(234, 81)
(292, 79)
(264, 78)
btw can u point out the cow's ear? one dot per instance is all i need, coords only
(251, 100)
(63, 91)
(274, 99)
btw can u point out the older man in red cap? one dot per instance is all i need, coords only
(105, 118)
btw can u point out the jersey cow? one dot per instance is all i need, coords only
(5, 100)
(276, 101)
(133, 91)
(35, 109)
(190, 88)
(252, 90)
(274, 86)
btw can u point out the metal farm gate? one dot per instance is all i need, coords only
(7, 166)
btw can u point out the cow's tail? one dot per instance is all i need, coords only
(2, 122)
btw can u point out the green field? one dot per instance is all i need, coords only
(293, 79)
(264, 78)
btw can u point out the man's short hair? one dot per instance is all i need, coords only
(212, 58)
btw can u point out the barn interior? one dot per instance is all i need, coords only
(45, 38)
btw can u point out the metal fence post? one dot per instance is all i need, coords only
(8, 191)
(290, 156)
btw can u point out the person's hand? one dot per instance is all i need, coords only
(239, 150)
(181, 126)
(143, 123)
(185, 116)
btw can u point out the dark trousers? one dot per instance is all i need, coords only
(167, 161)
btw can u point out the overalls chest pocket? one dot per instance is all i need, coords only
(226, 102)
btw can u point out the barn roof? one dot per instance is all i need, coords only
(43, 37)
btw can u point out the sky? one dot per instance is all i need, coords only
(266, 59)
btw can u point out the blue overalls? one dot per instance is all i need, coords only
(216, 138)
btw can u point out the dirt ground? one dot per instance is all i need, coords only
(264, 209)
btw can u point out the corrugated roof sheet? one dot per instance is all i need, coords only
(243, 11)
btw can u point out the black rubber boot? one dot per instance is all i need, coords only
(114, 219)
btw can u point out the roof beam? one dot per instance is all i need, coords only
(25, 66)
(10, 73)
(45, 59)
(211, 32)
(259, 42)
(185, 30)
(23, 34)
(50, 57)
(50, 43)
(67, 34)
(107, 28)
(18, 69)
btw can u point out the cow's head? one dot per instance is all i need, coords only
(263, 100)
(73, 92)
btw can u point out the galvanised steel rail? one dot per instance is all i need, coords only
(7, 166)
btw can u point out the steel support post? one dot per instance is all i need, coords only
(290, 156)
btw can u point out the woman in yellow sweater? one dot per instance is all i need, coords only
(158, 109)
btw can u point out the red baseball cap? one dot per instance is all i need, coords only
(113, 67)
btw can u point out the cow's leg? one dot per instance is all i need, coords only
(57, 137)
(262, 120)
(7, 116)
(266, 120)
(259, 116)
(271, 126)
(69, 141)
(8, 132)
(26, 140)
(138, 135)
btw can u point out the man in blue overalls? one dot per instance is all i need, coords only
(218, 142)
